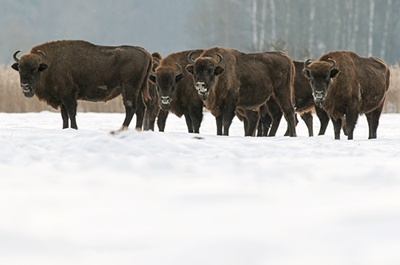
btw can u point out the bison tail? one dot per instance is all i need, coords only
(145, 85)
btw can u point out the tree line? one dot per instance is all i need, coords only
(302, 28)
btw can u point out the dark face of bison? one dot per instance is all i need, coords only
(166, 80)
(204, 71)
(320, 74)
(29, 67)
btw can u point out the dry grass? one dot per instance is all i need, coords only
(12, 100)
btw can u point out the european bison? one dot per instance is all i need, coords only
(153, 110)
(227, 80)
(176, 89)
(61, 72)
(304, 105)
(346, 85)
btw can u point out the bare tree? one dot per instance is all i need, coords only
(386, 28)
(371, 27)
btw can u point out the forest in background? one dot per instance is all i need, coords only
(302, 28)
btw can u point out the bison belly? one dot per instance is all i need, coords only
(99, 93)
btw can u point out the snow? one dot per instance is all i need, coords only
(150, 198)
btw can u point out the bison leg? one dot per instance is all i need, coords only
(188, 122)
(162, 120)
(70, 105)
(323, 119)
(264, 124)
(337, 125)
(276, 113)
(227, 116)
(373, 122)
(140, 110)
(252, 117)
(65, 118)
(308, 120)
(218, 120)
(351, 120)
(196, 115)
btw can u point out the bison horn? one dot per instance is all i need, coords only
(190, 58)
(333, 63)
(43, 55)
(15, 56)
(307, 63)
(219, 58)
(180, 69)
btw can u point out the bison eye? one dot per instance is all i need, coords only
(33, 70)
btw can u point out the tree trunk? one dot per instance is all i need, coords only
(311, 29)
(263, 23)
(356, 27)
(371, 27)
(273, 20)
(386, 29)
(254, 24)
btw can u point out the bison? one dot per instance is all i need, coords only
(304, 105)
(346, 85)
(176, 91)
(228, 80)
(61, 72)
(153, 110)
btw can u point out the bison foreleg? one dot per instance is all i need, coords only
(64, 115)
(337, 126)
(323, 119)
(69, 105)
(308, 120)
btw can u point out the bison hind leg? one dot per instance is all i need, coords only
(373, 122)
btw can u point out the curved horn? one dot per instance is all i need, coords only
(15, 56)
(190, 59)
(219, 58)
(43, 55)
(180, 67)
(333, 63)
(307, 63)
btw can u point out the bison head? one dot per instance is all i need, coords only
(29, 67)
(204, 71)
(166, 80)
(320, 74)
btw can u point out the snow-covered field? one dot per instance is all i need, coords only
(147, 198)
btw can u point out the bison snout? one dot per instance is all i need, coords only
(200, 87)
(165, 102)
(319, 97)
(27, 90)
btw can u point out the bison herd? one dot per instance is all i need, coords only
(258, 88)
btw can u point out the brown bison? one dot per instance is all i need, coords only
(61, 72)
(176, 89)
(229, 80)
(153, 110)
(346, 85)
(304, 105)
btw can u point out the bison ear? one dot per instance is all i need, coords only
(152, 78)
(306, 73)
(42, 66)
(15, 67)
(334, 72)
(218, 70)
(178, 77)
(189, 68)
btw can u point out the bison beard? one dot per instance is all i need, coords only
(61, 72)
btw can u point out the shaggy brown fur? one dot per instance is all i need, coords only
(176, 89)
(73, 70)
(228, 80)
(346, 85)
